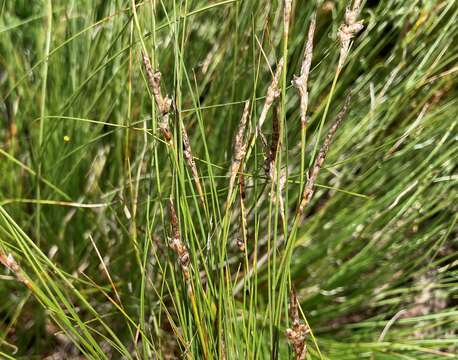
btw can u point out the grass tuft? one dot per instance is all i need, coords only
(235, 203)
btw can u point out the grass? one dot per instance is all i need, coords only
(131, 227)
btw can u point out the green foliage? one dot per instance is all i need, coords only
(86, 176)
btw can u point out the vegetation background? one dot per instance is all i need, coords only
(135, 228)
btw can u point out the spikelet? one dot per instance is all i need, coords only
(176, 244)
(297, 333)
(319, 160)
(273, 92)
(274, 145)
(348, 31)
(287, 16)
(239, 147)
(271, 168)
(187, 151)
(10, 263)
(300, 82)
(163, 103)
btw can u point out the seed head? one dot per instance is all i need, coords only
(176, 244)
(348, 30)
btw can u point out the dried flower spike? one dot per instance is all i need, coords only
(11, 264)
(239, 147)
(176, 244)
(273, 92)
(270, 166)
(192, 164)
(274, 145)
(243, 221)
(287, 15)
(314, 171)
(300, 82)
(163, 103)
(240, 243)
(298, 331)
(348, 30)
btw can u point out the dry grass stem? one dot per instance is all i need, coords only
(314, 171)
(348, 30)
(191, 163)
(176, 244)
(163, 103)
(300, 82)
(297, 333)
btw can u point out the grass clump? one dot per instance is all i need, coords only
(193, 179)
